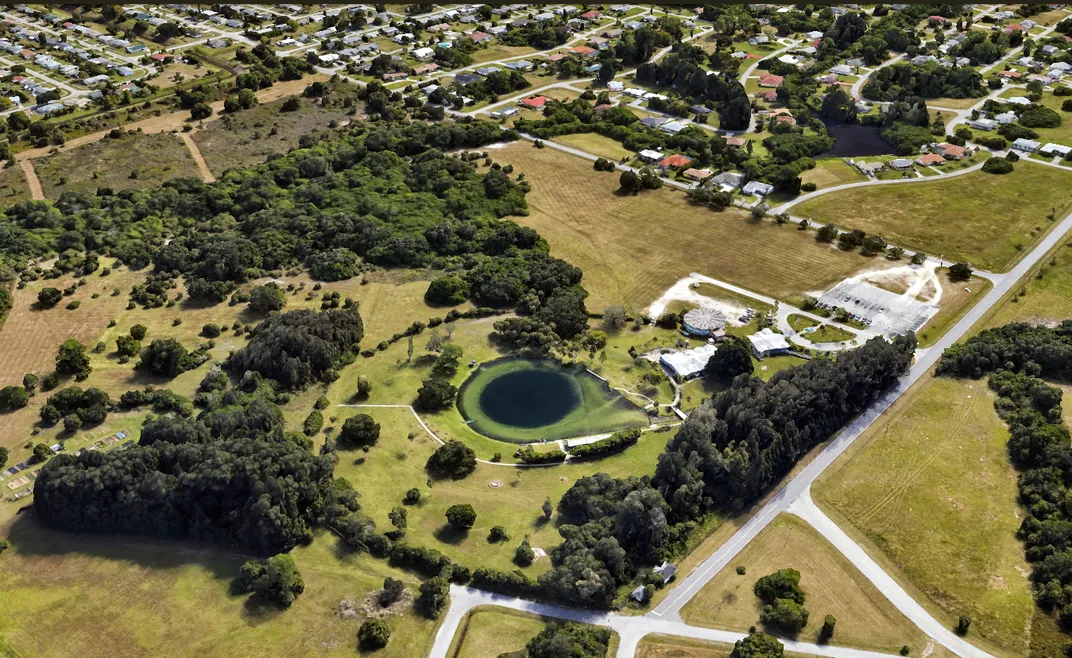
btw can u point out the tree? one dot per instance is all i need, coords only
(547, 509)
(447, 362)
(392, 591)
(786, 615)
(398, 516)
(30, 382)
(168, 357)
(138, 331)
(13, 397)
(614, 317)
(461, 517)
(72, 423)
(276, 579)
(960, 272)
(629, 182)
(49, 297)
(373, 634)
(126, 345)
(827, 233)
(569, 640)
(72, 359)
(782, 584)
(313, 423)
(364, 387)
(357, 431)
(758, 645)
(523, 554)
(731, 358)
(435, 394)
(827, 631)
(413, 496)
(3, 456)
(432, 597)
(963, 624)
(498, 533)
(267, 298)
(453, 459)
(200, 111)
(41, 452)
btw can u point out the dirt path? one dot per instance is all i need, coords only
(173, 121)
(202, 166)
(32, 181)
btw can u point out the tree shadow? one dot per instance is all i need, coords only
(31, 538)
(257, 611)
(448, 534)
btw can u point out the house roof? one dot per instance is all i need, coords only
(766, 340)
(930, 159)
(696, 174)
(770, 79)
(676, 160)
(535, 101)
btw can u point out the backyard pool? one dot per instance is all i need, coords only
(528, 400)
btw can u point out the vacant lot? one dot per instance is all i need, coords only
(957, 299)
(981, 218)
(865, 619)
(1047, 299)
(596, 145)
(830, 173)
(489, 632)
(1062, 134)
(632, 248)
(250, 136)
(929, 491)
(135, 160)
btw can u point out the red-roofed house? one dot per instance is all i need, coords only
(930, 159)
(786, 119)
(952, 151)
(18, 78)
(536, 102)
(696, 174)
(583, 51)
(769, 96)
(1010, 74)
(27, 54)
(478, 37)
(160, 57)
(557, 57)
(940, 19)
(591, 15)
(676, 160)
(1015, 27)
(426, 68)
(770, 80)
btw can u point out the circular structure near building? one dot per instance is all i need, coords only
(704, 321)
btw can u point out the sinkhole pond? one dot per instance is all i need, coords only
(527, 400)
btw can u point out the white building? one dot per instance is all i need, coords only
(766, 342)
(688, 364)
(756, 188)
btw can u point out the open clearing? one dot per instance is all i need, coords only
(250, 136)
(958, 297)
(13, 186)
(980, 218)
(865, 618)
(1047, 300)
(929, 492)
(489, 632)
(135, 160)
(633, 248)
(596, 144)
(831, 172)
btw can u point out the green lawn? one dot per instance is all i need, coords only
(489, 632)
(1046, 299)
(984, 219)
(596, 145)
(831, 172)
(930, 493)
(957, 298)
(1062, 134)
(800, 323)
(828, 334)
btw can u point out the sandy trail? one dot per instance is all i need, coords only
(202, 166)
(36, 192)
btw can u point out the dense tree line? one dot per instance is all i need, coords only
(682, 71)
(929, 80)
(1017, 356)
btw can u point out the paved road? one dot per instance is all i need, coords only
(807, 510)
(800, 484)
(630, 629)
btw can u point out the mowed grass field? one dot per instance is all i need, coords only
(152, 159)
(98, 597)
(865, 618)
(632, 248)
(984, 219)
(596, 144)
(958, 297)
(250, 136)
(831, 172)
(930, 494)
(1047, 299)
(489, 632)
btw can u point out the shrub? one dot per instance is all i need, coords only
(49, 297)
(13, 397)
(412, 497)
(373, 634)
(435, 394)
(497, 534)
(786, 615)
(529, 455)
(267, 298)
(276, 579)
(138, 331)
(210, 330)
(448, 290)
(392, 591)
(73, 305)
(960, 272)
(782, 584)
(357, 431)
(612, 444)
(461, 517)
(313, 422)
(997, 166)
(523, 554)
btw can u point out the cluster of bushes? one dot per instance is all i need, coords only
(614, 443)
(529, 455)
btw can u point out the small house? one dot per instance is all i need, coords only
(674, 161)
(649, 155)
(930, 160)
(768, 343)
(1026, 145)
(770, 80)
(535, 103)
(757, 188)
(901, 163)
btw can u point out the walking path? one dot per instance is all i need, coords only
(202, 166)
(36, 192)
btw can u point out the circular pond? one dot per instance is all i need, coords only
(526, 400)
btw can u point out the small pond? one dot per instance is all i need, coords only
(526, 400)
(852, 140)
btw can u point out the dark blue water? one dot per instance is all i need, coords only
(530, 398)
(854, 140)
